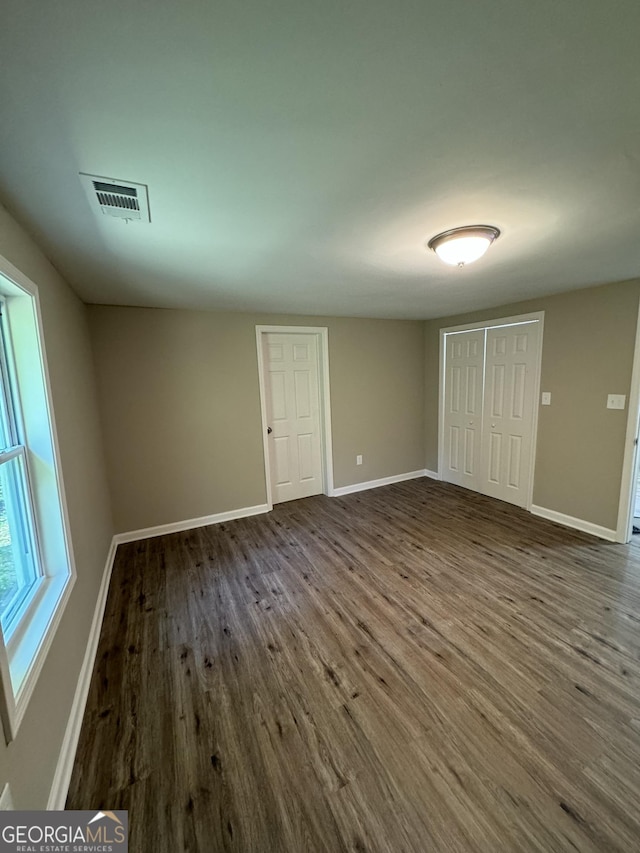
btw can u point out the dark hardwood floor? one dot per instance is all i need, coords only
(413, 668)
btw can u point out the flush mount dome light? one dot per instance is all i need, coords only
(461, 246)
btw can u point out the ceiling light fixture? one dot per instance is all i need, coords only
(461, 246)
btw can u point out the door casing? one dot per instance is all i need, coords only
(322, 337)
(631, 459)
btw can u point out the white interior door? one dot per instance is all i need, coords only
(463, 408)
(509, 410)
(293, 414)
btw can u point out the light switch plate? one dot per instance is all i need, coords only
(359, 459)
(546, 398)
(616, 401)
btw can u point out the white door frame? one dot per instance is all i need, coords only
(519, 319)
(322, 337)
(630, 461)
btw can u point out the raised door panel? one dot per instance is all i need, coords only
(494, 461)
(518, 391)
(454, 448)
(514, 462)
(282, 461)
(301, 352)
(473, 390)
(306, 457)
(469, 452)
(302, 388)
(278, 395)
(496, 391)
(455, 384)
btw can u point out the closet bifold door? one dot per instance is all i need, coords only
(508, 417)
(462, 425)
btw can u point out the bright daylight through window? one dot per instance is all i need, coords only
(20, 568)
(36, 564)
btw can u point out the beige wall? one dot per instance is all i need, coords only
(588, 350)
(29, 762)
(180, 407)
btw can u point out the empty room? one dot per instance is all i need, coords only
(319, 414)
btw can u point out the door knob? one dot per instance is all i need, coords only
(269, 430)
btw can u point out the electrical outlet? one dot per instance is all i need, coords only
(359, 459)
(546, 398)
(616, 401)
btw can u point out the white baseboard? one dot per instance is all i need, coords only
(432, 474)
(190, 523)
(577, 523)
(64, 768)
(373, 484)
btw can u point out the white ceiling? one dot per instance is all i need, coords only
(299, 152)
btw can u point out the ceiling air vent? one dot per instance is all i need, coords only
(121, 199)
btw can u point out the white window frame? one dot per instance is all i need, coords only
(19, 606)
(23, 655)
(16, 449)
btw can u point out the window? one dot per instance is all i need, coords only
(36, 561)
(20, 569)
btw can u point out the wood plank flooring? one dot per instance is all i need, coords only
(413, 668)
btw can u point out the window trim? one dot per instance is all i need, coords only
(19, 452)
(27, 650)
(15, 429)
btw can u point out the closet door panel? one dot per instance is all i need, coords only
(508, 420)
(463, 401)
